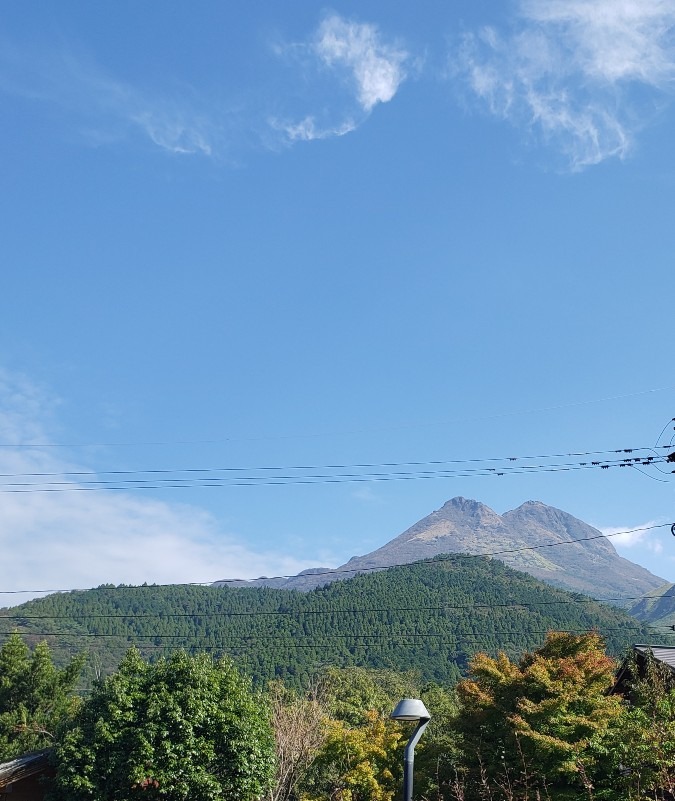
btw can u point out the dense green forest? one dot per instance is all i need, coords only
(431, 617)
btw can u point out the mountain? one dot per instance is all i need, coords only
(533, 538)
(657, 608)
(430, 617)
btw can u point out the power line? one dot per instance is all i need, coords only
(440, 558)
(346, 466)
(293, 636)
(672, 420)
(264, 481)
(468, 555)
(294, 613)
(452, 640)
(232, 476)
(515, 604)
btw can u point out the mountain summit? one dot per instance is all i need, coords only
(545, 542)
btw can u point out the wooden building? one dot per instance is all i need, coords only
(636, 662)
(26, 777)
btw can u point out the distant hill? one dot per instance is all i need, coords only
(591, 565)
(429, 617)
(657, 608)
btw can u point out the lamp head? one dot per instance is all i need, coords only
(410, 709)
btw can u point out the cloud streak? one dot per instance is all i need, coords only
(308, 129)
(108, 108)
(347, 67)
(581, 74)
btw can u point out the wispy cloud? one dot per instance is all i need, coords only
(367, 495)
(24, 406)
(79, 538)
(580, 73)
(346, 67)
(175, 131)
(309, 129)
(107, 108)
(359, 58)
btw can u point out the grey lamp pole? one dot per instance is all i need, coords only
(414, 710)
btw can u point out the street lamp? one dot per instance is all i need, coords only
(414, 710)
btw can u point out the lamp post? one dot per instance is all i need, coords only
(411, 709)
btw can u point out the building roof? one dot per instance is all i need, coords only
(23, 766)
(663, 653)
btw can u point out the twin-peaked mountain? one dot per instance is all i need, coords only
(545, 542)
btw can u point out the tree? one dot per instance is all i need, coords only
(437, 756)
(299, 733)
(642, 753)
(361, 756)
(541, 723)
(351, 692)
(36, 698)
(357, 763)
(183, 727)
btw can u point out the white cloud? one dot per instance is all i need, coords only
(78, 538)
(633, 536)
(360, 59)
(347, 68)
(581, 73)
(376, 67)
(613, 40)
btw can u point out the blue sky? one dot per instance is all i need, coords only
(265, 235)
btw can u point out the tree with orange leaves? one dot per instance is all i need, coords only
(538, 728)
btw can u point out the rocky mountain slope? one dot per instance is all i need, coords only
(533, 538)
(657, 608)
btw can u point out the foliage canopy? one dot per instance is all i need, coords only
(183, 727)
(539, 722)
(36, 698)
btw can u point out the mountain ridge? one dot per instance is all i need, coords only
(546, 542)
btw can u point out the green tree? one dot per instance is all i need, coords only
(351, 693)
(36, 698)
(642, 751)
(360, 758)
(183, 727)
(357, 763)
(438, 756)
(541, 725)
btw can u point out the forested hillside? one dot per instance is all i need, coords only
(430, 616)
(656, 608)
